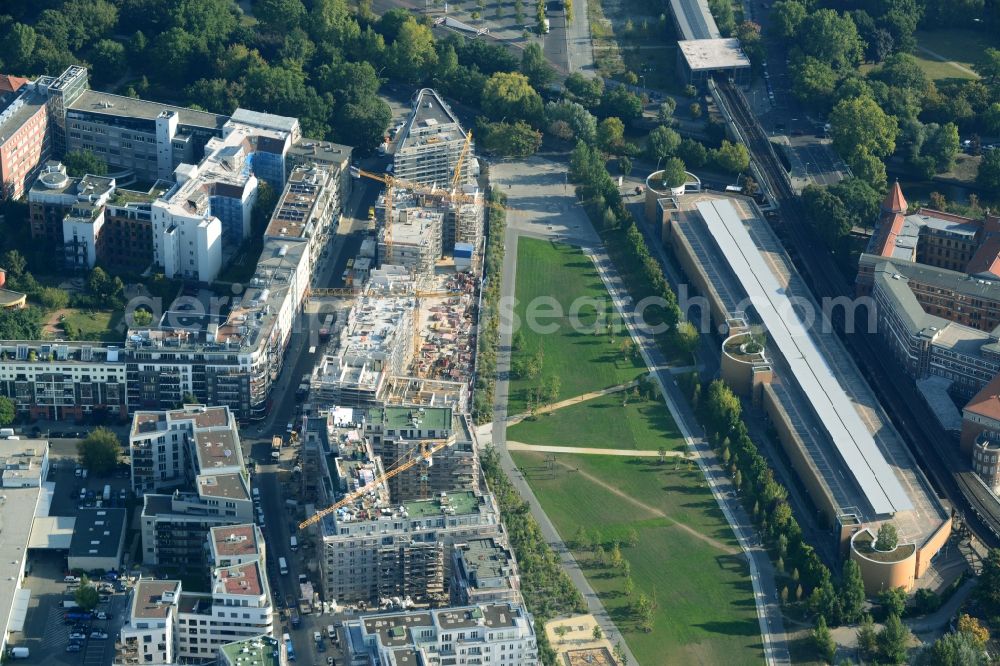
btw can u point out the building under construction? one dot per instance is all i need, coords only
(383, 545)
(415, 243)
(430, 145)
(395, 434)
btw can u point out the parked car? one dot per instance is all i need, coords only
(74, 647)
(102, 615)
(99, 635)
(71, 579)
(104, 598)
(77, 636)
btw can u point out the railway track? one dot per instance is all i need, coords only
(928, 442)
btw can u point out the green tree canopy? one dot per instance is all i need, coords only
(611, 134)
(100, 451)
(953, 649)
(663, 143)
(887, 537)
(860, 124)
(411, 55)
(673, 172)
(509, 95)
(732, 157)
(581, 122)
(534, 65)
(517, 139)
(83, 162)
(87, 597)
(788, 15)
(893, 640)
(621, 103)
(988, 175)
(7, 411)
(831, 37)
(852, 593)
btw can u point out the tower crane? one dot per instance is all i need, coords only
(428, 447)
(456, 179)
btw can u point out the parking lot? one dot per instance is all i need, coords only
(46, 632)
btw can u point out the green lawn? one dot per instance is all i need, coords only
(95, 324)
(581, 360)
(603, 423)
(963, 47)
(705, 611)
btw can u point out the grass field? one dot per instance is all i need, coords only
(961, 48)
(581, 360)
(705, 610)
(94, 325)
(603, 423)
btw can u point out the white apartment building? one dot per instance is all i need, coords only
(238, 608)
(149, 635)
(486, 634)
(430, 143)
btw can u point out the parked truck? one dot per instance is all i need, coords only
(107, 493)
(296, 618)
(289, 649)
(305, 598)
(276, 447)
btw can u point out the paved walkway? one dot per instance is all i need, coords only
(629, 453)
(569, 402)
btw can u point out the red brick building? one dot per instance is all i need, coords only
(24, 138)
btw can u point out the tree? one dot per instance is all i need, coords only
(83, 162)
(867, 640)
(14, 263)
(509, 95)
(536, 67)
(621, 103)
(86, 596)
(693, 153)
(831, 37)
(813, 82)
(588, 91)
(611, 134)
(412, 55)
(827, 215)
(988, 176)
(852, 592)
(7, 411)
(363, 123)
(581, 122)
(518, 139)
(673, 174)
(100, 451)
(18, 46)
(893, 639)
(561, 631)
(695, 110)
(109, 59)
(989, 65)
(686, 337)
(625, 165)
(788, 15)
(988, 589)
(887, 538)
(971, 626)
(823, 641)
(956, 649)
(663, 142)
(597, 634)
(942, 146)
(20, 324)
(732, 157)
(665, 112)
(893, 601)
(628, 587)
(860, 124)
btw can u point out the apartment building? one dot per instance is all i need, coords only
(484, 571)
(259, 651)
(173, 526)
(169, 626)
(429, 145)
(500, 634)
(24, 137)
(149, 635)
(63, 380)
(237, 608)
(231, 359)
(309, 208)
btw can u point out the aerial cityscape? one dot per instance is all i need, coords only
(384, 333)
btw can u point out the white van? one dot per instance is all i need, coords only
(293, 543)
(282, 566)
(256, 494)
(6, 432)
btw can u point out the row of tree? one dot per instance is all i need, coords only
(489, 314)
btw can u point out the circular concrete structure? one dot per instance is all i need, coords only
(881, 570)
(655, 190)
(737, 364)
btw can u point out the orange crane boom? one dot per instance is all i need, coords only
(424, 454)
(456, 180)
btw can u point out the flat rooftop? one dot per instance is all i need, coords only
(229, 486)
(712, 54)
(97, 533)
(726, 289)
(148, 598)
(462, 502)
(294, 214)
(397, 418)
(217, 448)
(826, 396)
(18, 507)
(241, 580)
(259, 651)
(93, 101)
(235, 540)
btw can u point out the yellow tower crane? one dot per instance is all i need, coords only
(428, 447)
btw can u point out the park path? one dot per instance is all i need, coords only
(631, 453)
(941, 58)
(653, 510)
(569, 402)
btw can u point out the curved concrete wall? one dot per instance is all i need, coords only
(880, 576)
(737, 372)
